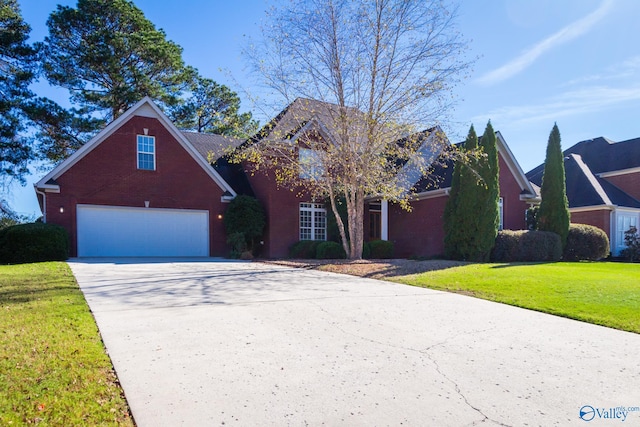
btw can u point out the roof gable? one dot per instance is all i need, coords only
(586, 162)
(145, 108)
(583, 188)
(603, 155)
(442, 174)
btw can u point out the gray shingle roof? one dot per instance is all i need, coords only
(584, 161)
(207, 143)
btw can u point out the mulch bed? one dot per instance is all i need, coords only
(376, 269)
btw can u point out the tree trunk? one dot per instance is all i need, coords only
(336, 214)
(355, 212)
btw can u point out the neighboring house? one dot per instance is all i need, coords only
(141, 187)
(603, 185)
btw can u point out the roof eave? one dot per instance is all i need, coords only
(593, 208)
(440, 192)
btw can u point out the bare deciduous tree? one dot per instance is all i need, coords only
(360, 78)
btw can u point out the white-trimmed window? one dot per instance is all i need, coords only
(501, 209)
(313, 221)
(310, 164)
(147, 152)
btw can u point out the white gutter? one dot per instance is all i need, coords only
(44, 203)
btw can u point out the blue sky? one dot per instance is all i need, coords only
(574, 62)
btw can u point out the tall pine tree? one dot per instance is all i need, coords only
(16, 73)
(554, 208)
(109, 55)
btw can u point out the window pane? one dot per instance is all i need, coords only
(305, 224)
(146, 152)
(320, 225)
(313, 221)
(145, 161)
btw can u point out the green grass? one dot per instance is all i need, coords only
(603, 293)
(53, 366)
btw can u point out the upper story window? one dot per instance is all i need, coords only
(310, 163)
(147, 152)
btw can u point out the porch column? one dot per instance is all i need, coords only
(384, 219)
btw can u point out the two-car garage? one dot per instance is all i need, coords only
(115, 231)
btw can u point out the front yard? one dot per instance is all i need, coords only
(53, 366)
(604, 293)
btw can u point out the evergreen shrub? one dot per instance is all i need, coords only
(526, 246)
(366, 250)
(244, 216)
(585, 242)
(33, 242)
(330, 250)
(305, 249)
(381, 249)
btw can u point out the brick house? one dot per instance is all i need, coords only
(141, 187)
(138, 188)
(603, 185)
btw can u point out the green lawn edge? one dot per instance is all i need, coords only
(602, 293)
(54, 369)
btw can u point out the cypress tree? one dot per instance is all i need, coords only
(458, 224)
(472, 215)
(554, 208)
(489, 215)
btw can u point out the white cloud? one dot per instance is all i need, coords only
(585, 100)
(628, 68)
(570, 32)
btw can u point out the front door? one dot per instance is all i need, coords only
(375, 222)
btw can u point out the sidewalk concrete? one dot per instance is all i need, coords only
(199, 342)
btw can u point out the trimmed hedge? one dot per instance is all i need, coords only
(586, 242)
(330, 250)
(366, 250)
(380, 249)
(526, 246)
(305, 249)
(34, 242)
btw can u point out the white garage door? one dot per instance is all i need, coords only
(116, 231)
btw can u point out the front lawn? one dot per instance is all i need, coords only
(53, 365)
(603, 293)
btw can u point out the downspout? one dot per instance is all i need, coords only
(612, 232)
(44, 203)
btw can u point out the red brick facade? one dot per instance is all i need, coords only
(628, 182)
(108, 175)
(282, 208)
(105, 173)
(421, 231)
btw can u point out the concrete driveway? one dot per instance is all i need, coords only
(200, 342)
